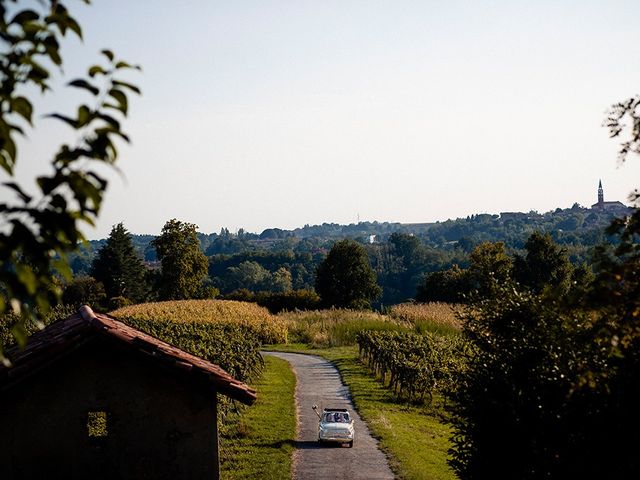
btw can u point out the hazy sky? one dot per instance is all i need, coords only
(261, 114)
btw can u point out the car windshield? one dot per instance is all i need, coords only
(336, 417)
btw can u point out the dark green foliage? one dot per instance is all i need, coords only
(84, 291)
(240, 295)
(119, 268)
(259, 270)
(252, 276)
(445, 286)
(489, 265)
(184, 266)
(409, 260)
(345, 278)
(277, 302)
(118, 302)
(545, 265)
(289, 301)
(513, 413)
(41, 229)
(552, 387)
(614, 374)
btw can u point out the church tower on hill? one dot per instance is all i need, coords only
(600, 193)
(602, 205)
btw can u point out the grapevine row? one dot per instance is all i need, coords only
(415, 366)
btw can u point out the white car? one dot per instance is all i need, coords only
(335, 425)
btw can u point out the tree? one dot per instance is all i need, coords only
(184, 265)
(280, 281)
(410, 256)
(119, 268)
(345, 278)
(489, 266)
(84, 291)
(248, 275)
(40, 229)
(545, 265)
(449, 285)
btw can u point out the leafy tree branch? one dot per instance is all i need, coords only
(37, 231)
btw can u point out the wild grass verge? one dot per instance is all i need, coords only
(434, 317)
(335, 327)
(259, 442)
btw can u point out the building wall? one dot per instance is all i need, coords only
(158, 426)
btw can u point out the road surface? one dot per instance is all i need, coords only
(318, 383)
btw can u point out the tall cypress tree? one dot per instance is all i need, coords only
(119, 267)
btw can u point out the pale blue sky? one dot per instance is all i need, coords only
(261, 114)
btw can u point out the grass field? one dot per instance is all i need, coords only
(260, 442)
(414, 437)
(334, 327)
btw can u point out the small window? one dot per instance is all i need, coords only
(97, 424)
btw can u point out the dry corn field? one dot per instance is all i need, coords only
(209, 311)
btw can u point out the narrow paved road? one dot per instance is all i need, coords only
(318, 382)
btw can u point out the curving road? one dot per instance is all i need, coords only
(318, 382)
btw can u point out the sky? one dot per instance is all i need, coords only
(260, 114)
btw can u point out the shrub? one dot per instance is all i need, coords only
(289, 301)
(518, 411)
(84, 291)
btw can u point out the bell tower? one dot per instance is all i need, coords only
(600, 193)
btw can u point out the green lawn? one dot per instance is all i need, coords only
(261, 441)
(414, 437)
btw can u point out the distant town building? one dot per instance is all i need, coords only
(609, 206)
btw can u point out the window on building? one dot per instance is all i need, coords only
(97, 424)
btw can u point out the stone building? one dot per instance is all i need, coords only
(92, 398)
(609, 206)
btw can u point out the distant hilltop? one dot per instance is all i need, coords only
(576, 225)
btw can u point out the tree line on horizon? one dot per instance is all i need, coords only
(408, 266)
(402, 269)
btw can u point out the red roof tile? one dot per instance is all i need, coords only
(61, 336)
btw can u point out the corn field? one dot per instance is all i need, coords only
(268, 328)
(227, 333)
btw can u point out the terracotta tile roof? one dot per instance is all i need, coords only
(64, 335)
